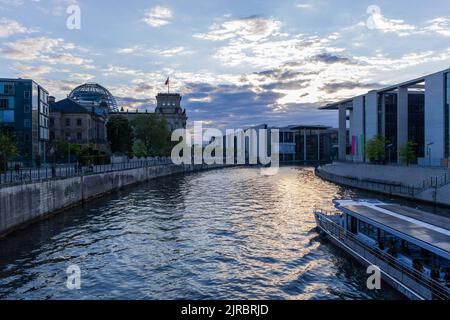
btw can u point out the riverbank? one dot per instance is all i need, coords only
(23, 204)
(429, 185)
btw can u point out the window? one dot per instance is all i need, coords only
(27, 137)
(79, 136)
(6, 116)
(4, 103)
(27, 108)
(52, 122)
(67, 135)
(367, 229)
(8, 89)
(27, 94)
(27, 123)
(79, 122)
(67, 122)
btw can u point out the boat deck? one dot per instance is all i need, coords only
(433, 219)
(430, 229)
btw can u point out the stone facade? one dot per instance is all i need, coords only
(71, 122)
(169, 106)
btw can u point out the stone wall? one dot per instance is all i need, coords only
(26, 203)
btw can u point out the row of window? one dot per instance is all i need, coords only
(79, 122)
(68, 136)
(173, 104)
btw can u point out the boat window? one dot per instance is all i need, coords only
(368, 230)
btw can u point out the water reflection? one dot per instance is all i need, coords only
(225, 234)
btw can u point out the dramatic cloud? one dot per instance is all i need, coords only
(158, 16)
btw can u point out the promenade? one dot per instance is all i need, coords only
(419, 183)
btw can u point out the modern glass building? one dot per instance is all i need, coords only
(416, 110)
(24, 112)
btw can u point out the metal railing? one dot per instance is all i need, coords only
(371, 185)
(22, 176)
(436, 182)
(416, 281)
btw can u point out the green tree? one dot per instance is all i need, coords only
(140, 149)
(64, 149)
(407, 153)
(153, 131)
(120, 134)
(8, 150)
(376, 149)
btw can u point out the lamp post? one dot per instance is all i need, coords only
(389, 148)
(429, 151)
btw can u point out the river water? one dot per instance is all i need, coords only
(223, 234)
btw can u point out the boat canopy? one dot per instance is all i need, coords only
(429, 231)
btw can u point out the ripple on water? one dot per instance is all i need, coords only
(225, 234)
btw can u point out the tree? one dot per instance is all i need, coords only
(376, 149)
(120, 134)
(140, 149)
(407, 153)
(153, 131)
(65, 149)
(8, 150)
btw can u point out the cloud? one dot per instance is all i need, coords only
(440, 25)
(386, 25)
(345, 85)
(158, 16)
(251, 28)
(32, 72)
(303, 5)
(139, 50)
(48, 50)
(436, 26)
(11, 27)
(329, 58)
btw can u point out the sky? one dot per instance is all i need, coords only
(236, 63)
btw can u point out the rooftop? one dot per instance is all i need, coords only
(414, 83)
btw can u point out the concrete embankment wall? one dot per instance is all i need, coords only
(379, 179)
(26, 203)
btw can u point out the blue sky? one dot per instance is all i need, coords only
(237, 63)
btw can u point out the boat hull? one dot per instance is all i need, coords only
(365, 259)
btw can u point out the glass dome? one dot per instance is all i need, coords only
(94, 95)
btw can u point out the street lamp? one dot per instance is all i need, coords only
(429, 151)
(389, 148)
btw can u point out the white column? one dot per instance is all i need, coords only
(304, 145)
(371, 115)
(402, 119)
(342, 133)
(318, 146)
(434, 116)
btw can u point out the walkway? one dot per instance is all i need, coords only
(421, 183)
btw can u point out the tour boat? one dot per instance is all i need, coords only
(411, 248)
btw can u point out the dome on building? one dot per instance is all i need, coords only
(94, 95)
